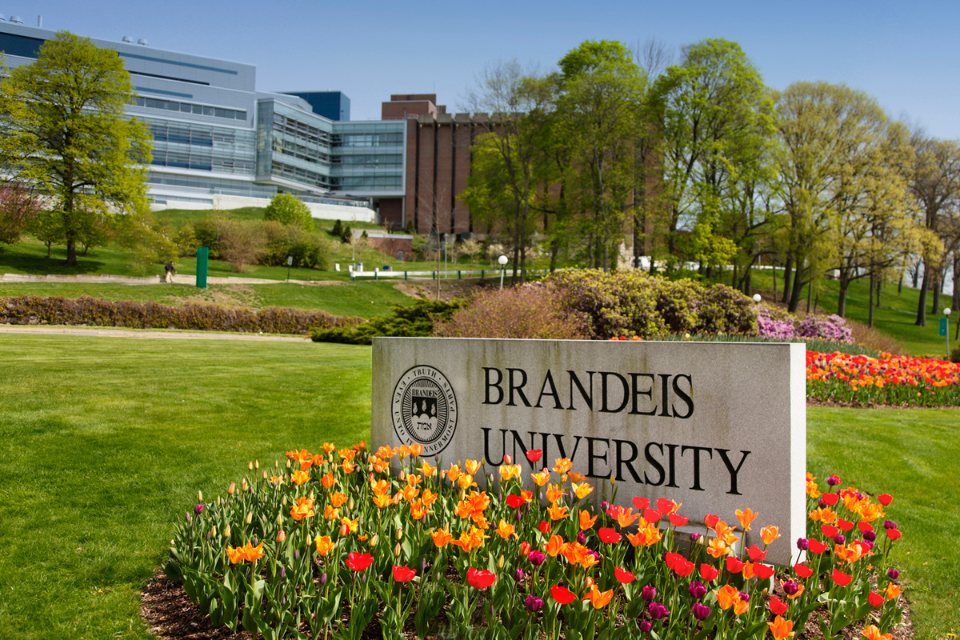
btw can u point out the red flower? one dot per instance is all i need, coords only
(711, 520)
(708, 573)
(734, 565)
(864, 526)
(894, 534)
(875, 599)
(684, 567)
(544, 526)
(885, 499)
(515, 501)
(524, 548)
(840, 578)
(359, 561)
(803, 570)
(829, 530)
(651, 516)
(609, 535)
(403, 574)
(816, 546)
(562, 595)
(830, 498)
(534, 455)
(671, 558)
(777, 606)
(622, 576)
(641, 503)
(665, 506)
(762, 571)
(678, 521)
(480, 578)
(844, 525)
(756, 553)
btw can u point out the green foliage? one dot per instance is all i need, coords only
(19, 209)
(632, 303)
(287, 209)
(337, 230)
(415, 320)
(66, 132)
(85, 310)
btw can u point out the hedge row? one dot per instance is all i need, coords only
(151, 315)
(632, 303)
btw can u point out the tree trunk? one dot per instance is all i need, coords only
(870, 313)
(787, 272)
(935, 306)
(900, 285)
(797, 291)
(922, 305)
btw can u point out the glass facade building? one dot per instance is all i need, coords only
(215, 134)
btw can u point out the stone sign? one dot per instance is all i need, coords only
(714, 426)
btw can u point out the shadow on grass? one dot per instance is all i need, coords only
(55, 265)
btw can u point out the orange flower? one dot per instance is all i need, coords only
(626, 517)
(871, 632)
(441, 538)
(246, 552)
(427, 470)
(330, 513)
(781, 628)
(646, 536)
(352, 525)
(348, 467)
(586, 522)
(338, 499)
(893, 591)
(414, 479)
(509, 472)
(505, 530)
(329, 447)
(769, 534)
(471, 466)
(299, 477)
(429, 497)
(386, 452)
(556, 512)
(453, 473)
(328, 480)
(541, 478)
(562, 465)
(554, 493)
(417, 510)
(597, 599)
(324, 545)
(410, 492)
(416, 449)
(575, 552)
(303, 509)
(870, 512)
(466, 481)
(576, 477)
(581, 490)
(470, 541)
(727, 596)
(382, 501)
(554, 546)
(746, 518)
(824, 515)
(725, 532)
(379, 487)
(717, 548)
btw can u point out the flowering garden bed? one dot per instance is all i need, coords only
(336, 545)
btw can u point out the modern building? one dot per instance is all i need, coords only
(219, 141)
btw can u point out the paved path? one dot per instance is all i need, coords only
(143, 333)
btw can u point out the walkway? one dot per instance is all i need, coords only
(117, 332)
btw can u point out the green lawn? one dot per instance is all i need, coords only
(104, 442)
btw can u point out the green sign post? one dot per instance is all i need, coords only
(943, 326)
(202, 255)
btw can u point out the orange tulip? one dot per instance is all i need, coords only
(324, 545)
(781, 628)
(302, 509)
(471, 466)
(586, 522)
(554, 546)
(441, 538)
(328, 480)
(871, 632)
(769, 534)
(554, 493)
(299, 477)
(562, 465)
(541, 478)
(746, 518)
(581, 490)
(505, 530)
(338, 499)
(556, 512)
(597, 599)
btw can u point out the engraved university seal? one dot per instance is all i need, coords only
(424, 409)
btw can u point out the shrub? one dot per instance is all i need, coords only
(416, 320)
(529, 311)
(242, 242)
(830, 328)
(287, 209)
(85, 310)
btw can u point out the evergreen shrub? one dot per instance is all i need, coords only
(416, 320)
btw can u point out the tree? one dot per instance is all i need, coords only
(66, 133)
(287, 209)
(18, 210)
(242, 243)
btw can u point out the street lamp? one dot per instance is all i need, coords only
(289, 264)
(946, 321)
(756, 298)
(503, 268)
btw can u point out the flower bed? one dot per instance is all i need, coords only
(334, 543)
(888, 380)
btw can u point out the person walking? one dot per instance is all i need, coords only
(170, 269)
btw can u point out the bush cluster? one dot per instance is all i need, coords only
(416, 320)
(151, 315)
(532, 311)
(632, 303)
(775, 324)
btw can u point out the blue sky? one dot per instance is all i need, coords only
(906, 57)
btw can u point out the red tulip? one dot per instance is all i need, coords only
(756, 553)
(651, 515)
(678, 521)
(641, 503)
(762, 571)
(562, 595)
(777, 606)
(708, 572)
(711, 520)
(816, 546)
(864, 526)
(829, 530)
(894, 534)
(803, 570)
(622, 576)
(480, 578)
(734, 564)
(684, 567)
(885, 499)
(609, 535)
(534, 455)
(403, 574)
(840, 578)
(830, 498)
(875, 599)
(844, 525)
(515, 501)
(665, 506)
(359, 561)
(544, 526)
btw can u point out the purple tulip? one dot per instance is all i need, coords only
(803, 544)
(198, 509)
(840, 538)
(790, 587)
(869, 536)
(701, 611)
(323, 579)
(657, 611)
(519, 575)
(536, 558)
(821, 503)
(604, 506)
(697, 590)
(694, 537)
(581, 537)
(893, 574)
(533, 604)
(889, 524)
(833, 481)
(744, 596)
(869, 544)
(648, 593)
(645, 626)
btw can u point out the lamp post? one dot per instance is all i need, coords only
(946, 322)
(756, 298)
(289, 264)
(503, 268)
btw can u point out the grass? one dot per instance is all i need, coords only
(911, 455)
(104, 443)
